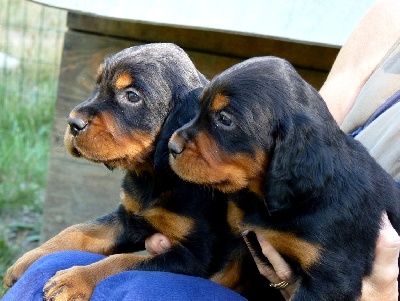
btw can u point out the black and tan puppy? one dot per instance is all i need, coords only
(142, 95)
(266, 137)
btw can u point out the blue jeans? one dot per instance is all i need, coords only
(130, 285)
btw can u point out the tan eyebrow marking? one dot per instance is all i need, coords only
(123, 80)
(219, 102)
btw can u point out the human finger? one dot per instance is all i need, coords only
(286, 285)
(280, 266)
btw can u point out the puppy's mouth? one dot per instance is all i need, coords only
(70, 144)
(192, 167)
(114, 151)
(110, 163)
(226, 173)
(74, 152)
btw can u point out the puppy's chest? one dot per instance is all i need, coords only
(160, 213)
(172, 208)
(283, 233)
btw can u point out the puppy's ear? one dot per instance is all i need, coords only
(301, 164)
(184, 108)
(203, 80)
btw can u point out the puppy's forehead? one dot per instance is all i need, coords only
(120, 80)
(219, 102)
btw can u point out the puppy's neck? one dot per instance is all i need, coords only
(256, 186)
(142, 168)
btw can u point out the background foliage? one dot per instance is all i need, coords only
(30, 50)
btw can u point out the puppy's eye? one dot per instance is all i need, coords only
(132, 96)
(224, 119)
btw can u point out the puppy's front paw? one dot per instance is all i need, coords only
(70, 284)
(20, 266)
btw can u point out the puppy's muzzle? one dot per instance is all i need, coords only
(76, 125)
(175, 148)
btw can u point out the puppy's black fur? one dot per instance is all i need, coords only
(142, 95)
(266, 137)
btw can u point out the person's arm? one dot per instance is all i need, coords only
(367, 45)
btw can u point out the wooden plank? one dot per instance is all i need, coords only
(329, 22)
(239, 45)
(210, 65)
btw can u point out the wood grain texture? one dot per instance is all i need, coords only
(242, 45)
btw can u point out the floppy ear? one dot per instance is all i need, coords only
(300, 166)
(202, 78)
(184, 108)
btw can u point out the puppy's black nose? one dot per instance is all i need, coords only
(76, 125)
(174, 148)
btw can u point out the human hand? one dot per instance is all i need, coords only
(157, 243)
(381, 285)
(279, 272)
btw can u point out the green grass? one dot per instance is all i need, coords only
(33, 34)
(6, 254)
(25, 120)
